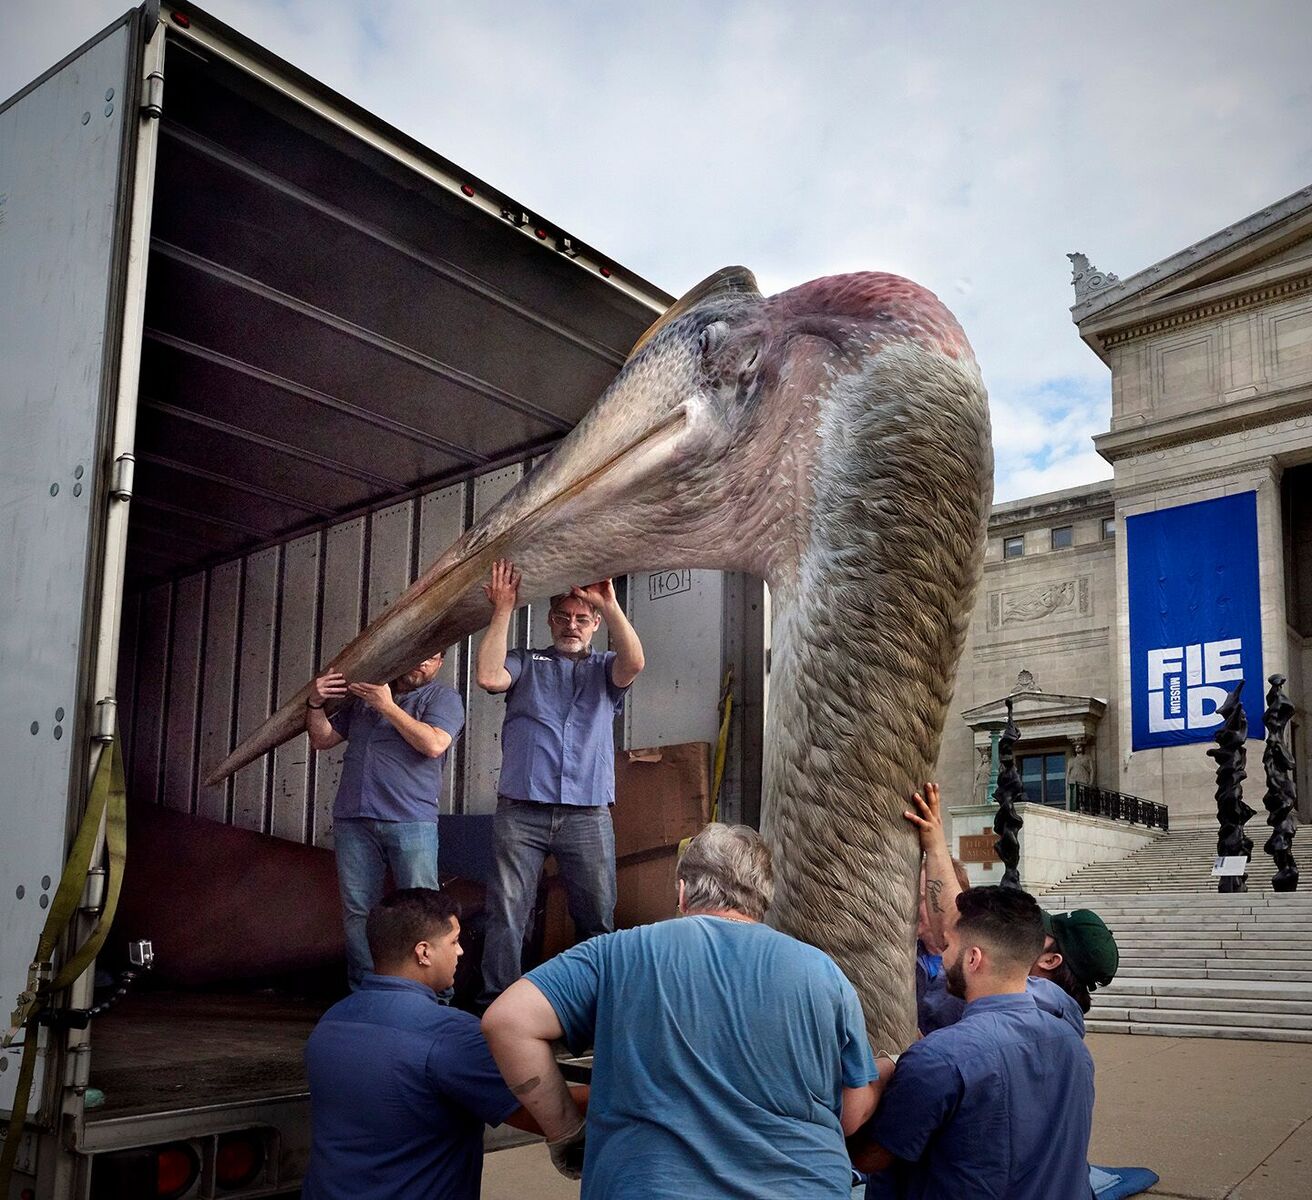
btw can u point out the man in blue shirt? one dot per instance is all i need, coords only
(1079, 952)
(401, 1085)
(730, 1060)
(998, 1106)
(385, 812)
(557, 763)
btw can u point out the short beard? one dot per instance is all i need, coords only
(955, 975)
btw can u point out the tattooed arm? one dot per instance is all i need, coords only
(520, 1028)
(941, 886)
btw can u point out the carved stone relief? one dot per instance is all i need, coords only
(1024, 606)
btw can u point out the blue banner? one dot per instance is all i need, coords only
(1195, 619)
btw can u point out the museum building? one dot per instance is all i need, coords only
(1210, 355)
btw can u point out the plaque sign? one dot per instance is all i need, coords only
(978, 848)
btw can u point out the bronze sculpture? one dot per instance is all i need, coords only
(1231, 755)
(1281, 794)
(833, 439)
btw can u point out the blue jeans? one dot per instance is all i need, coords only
(523, 834)
(365, 850)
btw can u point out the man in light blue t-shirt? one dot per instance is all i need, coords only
(730, 1060)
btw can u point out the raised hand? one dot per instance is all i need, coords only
(600, 594)
(502, 591)
(926, 815)
(329, 686)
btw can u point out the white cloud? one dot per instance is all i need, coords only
(968, 146)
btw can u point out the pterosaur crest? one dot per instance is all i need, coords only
(727, 281)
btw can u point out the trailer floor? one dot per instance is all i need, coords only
(161, 1051)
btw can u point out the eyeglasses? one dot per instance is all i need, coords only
(561, 618)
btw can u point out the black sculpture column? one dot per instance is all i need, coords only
(1231, 754)
(1281, 793)
(1007, 821)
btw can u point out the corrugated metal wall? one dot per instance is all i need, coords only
(206, 658)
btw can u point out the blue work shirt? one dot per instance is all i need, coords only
(400, 1089)
(558, 742)
(928, 968)
(998, 1106)
(384, 778)
(937, 1008)
(721, 1054)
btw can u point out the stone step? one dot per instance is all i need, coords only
(1102, 1003)
(1166, 1029)
(1203, 922)
(1215, 969)
(1167, 933)
(1236, 990)
(1206, 1017)
(1167, 905)
(1173, 955)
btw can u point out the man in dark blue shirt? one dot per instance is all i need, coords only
(557, 763)
(400, 1084)
(998, 1106)
(385, 813)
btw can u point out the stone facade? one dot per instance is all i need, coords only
(1210, 355)
(1053, 844)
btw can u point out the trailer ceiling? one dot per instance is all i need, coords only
(327, 329)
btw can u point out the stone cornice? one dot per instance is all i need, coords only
(1252, 298)
(1254, 412)
(1278, 224)
(1083, 507)
(1262, 464)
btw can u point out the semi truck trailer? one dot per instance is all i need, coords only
(264, 356)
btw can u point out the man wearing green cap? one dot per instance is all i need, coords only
(1079, 954)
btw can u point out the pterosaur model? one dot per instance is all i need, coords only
(833, 439)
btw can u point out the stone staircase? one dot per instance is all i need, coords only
(1195, 963)
(1178, 861)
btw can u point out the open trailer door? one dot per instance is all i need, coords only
(76, 168)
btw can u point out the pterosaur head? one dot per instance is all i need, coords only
(709, 450)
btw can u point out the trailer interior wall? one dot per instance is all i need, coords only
(208, 656)
(346, 362)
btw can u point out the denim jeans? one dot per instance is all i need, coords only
(523, 834)
(366, 849)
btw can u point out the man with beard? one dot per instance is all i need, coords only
(385, 811)
(1079, 951)
(1001, 1103)
(557, 763)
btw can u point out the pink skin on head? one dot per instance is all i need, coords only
(893, 305)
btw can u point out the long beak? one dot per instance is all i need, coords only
(446, 603)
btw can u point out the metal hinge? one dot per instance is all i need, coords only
(153, 102)
(102, 728)
(121, 485)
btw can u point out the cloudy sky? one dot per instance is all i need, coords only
(969, 146)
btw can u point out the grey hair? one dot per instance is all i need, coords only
(727, 867)
(559, 596)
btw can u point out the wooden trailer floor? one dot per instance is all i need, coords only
(163, 1051)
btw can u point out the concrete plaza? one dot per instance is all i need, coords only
(1216, 1119)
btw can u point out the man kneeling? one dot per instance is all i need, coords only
(1001, 1103)
(401, 1085)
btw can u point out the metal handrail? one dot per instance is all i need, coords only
(1117, 806)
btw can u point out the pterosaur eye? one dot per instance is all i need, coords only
(712, 337)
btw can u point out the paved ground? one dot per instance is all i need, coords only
(1217, 1120)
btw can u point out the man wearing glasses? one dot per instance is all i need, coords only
(557, 763)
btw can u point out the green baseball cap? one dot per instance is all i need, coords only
(1086, 945)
